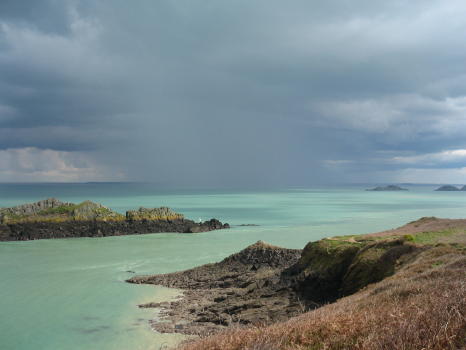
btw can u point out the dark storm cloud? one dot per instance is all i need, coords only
(47, 15)
(231, 93)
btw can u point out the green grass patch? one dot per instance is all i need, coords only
(428, 238)
(63, 209)
(437, 263)
(432, 237)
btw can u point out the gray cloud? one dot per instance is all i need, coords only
(234, 93)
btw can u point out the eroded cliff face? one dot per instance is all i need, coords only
(332, 268)
(52, 218)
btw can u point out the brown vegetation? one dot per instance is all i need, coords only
(421, 306)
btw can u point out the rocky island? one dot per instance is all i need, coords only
(450, 188)
(387, 188)
(386, 290)
(51, 218)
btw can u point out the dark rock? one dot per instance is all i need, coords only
(231, 291)
(448, 188)
(388, 188)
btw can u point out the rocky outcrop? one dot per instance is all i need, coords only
(387, 188)
(447, 188)
(244, 288)
(264, 284)
(31, 209)
(52, 218)
(53, 210)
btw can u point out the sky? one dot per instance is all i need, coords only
(233, 93)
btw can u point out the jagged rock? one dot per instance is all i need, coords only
(212, 224)
(8, 214)
(243, 288)
(53, 210)
(88, 210)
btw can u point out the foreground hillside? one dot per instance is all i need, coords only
(398, 289)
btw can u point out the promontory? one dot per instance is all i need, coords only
(52, 218)
(403, 288)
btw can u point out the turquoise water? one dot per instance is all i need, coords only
(70, 294)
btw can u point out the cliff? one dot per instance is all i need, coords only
(52, 218)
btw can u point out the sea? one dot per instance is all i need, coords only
(71, 294)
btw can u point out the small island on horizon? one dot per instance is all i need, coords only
(451, 188)
(387, 188)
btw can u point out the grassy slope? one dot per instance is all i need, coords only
(420, 305)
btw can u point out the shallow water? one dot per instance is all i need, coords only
(70, 294)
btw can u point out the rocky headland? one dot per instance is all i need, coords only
(52, 218)
(245, 288)
(271, 290)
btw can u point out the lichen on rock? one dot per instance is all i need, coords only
(88, 210)
(162, 213)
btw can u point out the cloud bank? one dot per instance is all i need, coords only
(232, 93)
